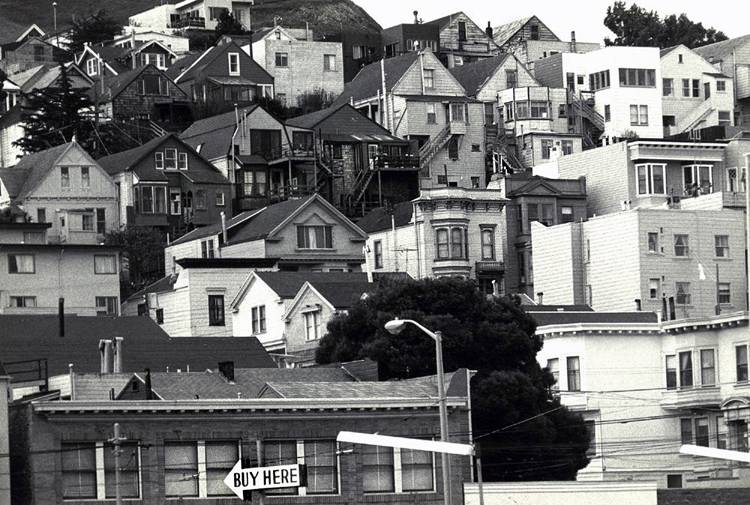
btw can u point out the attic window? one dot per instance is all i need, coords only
(534, 32)
(234, 63)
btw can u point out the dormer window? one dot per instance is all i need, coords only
(91, 67)
(182, 161)
(234, 64)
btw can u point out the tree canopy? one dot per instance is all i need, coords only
(493, 336)
(228, 25)
(143, 250)
(636, 26)
(93, 29)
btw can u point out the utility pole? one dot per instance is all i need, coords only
(116, 451)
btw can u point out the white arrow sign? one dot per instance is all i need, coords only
(268, 477)
(405, 443)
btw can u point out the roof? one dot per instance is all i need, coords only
(182, 64)
(722, 50)
(344, 123)
(198, 69)
(473, 76)
(30, 170)
(342, 295)
(504, 33)
(96, 386)
(288, 284)
(13, 116)
(214, 229)
(162, 285)
(666, 50)
(263, 223)
(368, 81)
(116, 84)
(572, 317)
(214, 134)
(387, 389)
(145, 344)
(443, 21)
(227, 262)
(260, 33)
(380, 219)
(557, 308)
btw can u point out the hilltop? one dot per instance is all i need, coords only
(324, 16)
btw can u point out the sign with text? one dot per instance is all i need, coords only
(267, 477)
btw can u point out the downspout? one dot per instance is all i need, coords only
(421, 69)
(395, 241)
(384, 96)
(416, 240)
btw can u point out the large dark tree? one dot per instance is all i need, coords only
(493, 336)
(143, 252)
(636, 26)
(228, 25)
(93, 29)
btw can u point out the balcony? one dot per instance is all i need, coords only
(403, 162)
(490, 268)
(691, 397)
(187, 22)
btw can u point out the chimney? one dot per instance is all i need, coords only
(117, 358)
(416, 17)
(72, 378)
(61, 316)
(149, 391)
(489, 30)
(540, 298)
(224, 237)
(226, 369)
(105, 356)
(637, 304)
(573, 41)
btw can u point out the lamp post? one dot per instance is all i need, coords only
(395, 327)
(54, 17)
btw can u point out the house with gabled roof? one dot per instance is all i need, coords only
(63, 186)
(144, 93)
(422, 102)
(165, 183)
(266, 160)
(530, 40)
(224, 75)
(462, 40)
(732, 58)
(28, 50)
(133, 36)
(49, 76)
(305, 234)
(112, 60)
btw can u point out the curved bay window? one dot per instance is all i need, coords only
(451, 243)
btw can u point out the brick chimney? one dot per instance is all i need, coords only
(226, 369)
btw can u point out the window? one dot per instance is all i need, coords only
(200, 199)
(708, 367)
(153, 85)
(214, 13)
(598, 80)
(650, 179)
(78, 470)
(721, 86)
(180, 469)
(567, 214)
(721, 246)
(315, 237)
(429, 78)
(697, 177)
(254, 183)
(462, 31)
(220, 459)
(653, 288)
(562, 110)
(671, 367)
(458, 112)
(22, 301)
(378, 246)
(667, 87)
(539, 110)
(451, 243)
(548, 214)
(64, 177)
(39, 53)
(591, 430)
(696, 88)
(377, 469)
(159, 160)
(87, 222)
(312, 325)
(442, 243)
(681, 245)
(416, 471)
(182, 162)
(638, 77)
(219, 198)
(488, 244)
(725, 118)
(101, 221)
(41, 215)
(653, 242)
(522, 110)
(259, 319)
(553, 365)
(322, 471)
(457, 243)
(216, 310)
(701, 431)
(741, 362)
(106, 306)
(546, 148)
(639, 115)
(207, 249)
(329, 62)
(281, 452)
(607, 113)
(686, 369)
(130, 485)
(534, 32)
(511, 78)
(683, 293)
(234, 64)
(725, 293)
(686, 87)
(574, 373)
(170, 159)
(85, 178)
(91, 67)
(452, 150)
(105, 264)
(668, 121)
(567, 147)
(431, 114)
(21, 264)
(159, 316)
(282, 59)
(686, 431)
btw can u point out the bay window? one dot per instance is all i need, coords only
(539, 110)
(451, 243)
(650, 179)
(670, 363)
(151, 199)
(697, 177)
(574, 373)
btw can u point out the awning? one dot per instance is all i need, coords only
(355, 138)
(252, 159)
(232, 81)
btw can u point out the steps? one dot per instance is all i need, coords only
(431, 148)
(585, 110)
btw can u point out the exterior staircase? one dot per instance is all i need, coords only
(431, 148)
(581, 107)
(696, 116)
(360, 185)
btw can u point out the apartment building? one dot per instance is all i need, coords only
(298, 63)
(423, 102)
(166, 184)
(732, 58)
(621, 85)
(64, 187)
(462, 40)
(443, 232)
(681, 263)
(695, 94)
(36, 273)
(191, 14)
(667, 383)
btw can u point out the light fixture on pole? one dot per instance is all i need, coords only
(54, 17)
(396, 326)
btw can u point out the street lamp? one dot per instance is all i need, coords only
(395, 327)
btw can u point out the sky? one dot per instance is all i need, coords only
(561, 16)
